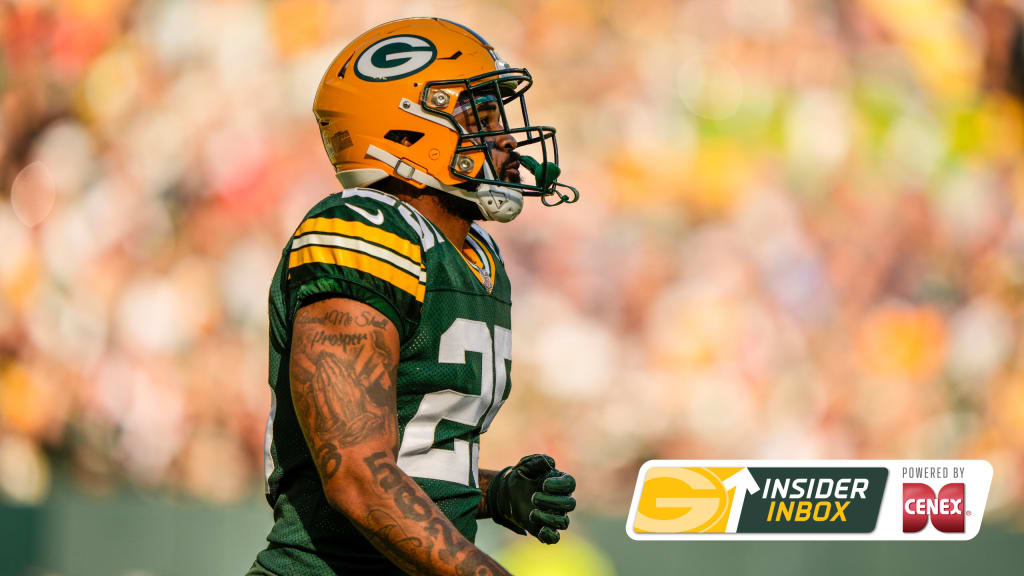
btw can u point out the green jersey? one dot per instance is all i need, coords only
(452, 312)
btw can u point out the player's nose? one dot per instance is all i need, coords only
(505, 142)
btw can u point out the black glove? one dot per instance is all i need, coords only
(532, 496)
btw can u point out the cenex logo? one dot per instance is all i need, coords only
(946, 511)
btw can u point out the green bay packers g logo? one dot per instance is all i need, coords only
(395, 57)
(675, 500)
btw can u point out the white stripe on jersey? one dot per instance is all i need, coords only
(368, 193)
(364, 247)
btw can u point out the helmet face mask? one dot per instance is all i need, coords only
(483, 116)
(429, 102)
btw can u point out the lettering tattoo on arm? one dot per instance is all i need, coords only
(362, 320)
(343, 340)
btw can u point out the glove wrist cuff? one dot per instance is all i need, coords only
(498, 503)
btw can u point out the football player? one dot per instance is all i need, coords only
(390, 316)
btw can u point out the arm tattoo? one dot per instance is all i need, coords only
(389, 530)
(342, 380)
(445, 546)
(476, 563)
(486, 476)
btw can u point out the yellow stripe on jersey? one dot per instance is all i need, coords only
(469, 252)
(471, 268)
(362, 262)
(387, 239)
(485, 248)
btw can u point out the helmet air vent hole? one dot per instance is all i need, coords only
(341, 73)
(404, 137)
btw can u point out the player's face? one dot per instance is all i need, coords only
(487, 118)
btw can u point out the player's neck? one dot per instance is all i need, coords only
(453, 227)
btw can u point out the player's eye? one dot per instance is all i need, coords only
(483, 117)
(490, 118)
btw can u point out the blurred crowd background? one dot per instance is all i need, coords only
(801, 233)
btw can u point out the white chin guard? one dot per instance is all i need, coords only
(498, 203)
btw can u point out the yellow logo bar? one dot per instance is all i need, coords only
(678, 500)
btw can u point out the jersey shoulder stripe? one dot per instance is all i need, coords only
(358, 245)
(359, 231)
(321, 227)
(401, 278)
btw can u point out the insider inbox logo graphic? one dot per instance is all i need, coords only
(809, 500)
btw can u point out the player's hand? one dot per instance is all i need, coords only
(532, 496)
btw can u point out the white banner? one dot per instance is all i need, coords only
(809, 500)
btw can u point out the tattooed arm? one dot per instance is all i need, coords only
(485, 482)
(344, 361)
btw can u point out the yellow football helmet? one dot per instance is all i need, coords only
(410, 99)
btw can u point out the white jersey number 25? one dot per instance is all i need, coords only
(417, 455)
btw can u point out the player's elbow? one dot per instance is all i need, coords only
(344, 499)
(346, 495)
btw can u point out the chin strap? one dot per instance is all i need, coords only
(499, 203)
